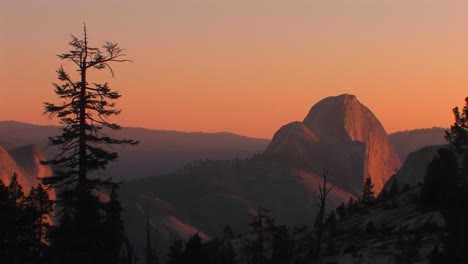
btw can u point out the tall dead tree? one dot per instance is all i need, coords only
(324, 190)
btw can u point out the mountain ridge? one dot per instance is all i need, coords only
(159, 151)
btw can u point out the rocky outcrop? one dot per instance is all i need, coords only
(25, 162)
(414, 168)
(341, 134)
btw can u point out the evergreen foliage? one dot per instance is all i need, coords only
(90, 230)
(445, 188)
(368, 197)
(353, 206)
(283, 246)
(341, 210)
(254, 246)
(175, 254)
(394, 190)
(23, 223)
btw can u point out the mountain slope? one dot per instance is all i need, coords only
(208, 195)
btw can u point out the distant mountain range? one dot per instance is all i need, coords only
(409, 141)
(162, 151)
(158, 152)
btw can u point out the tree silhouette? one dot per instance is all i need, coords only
(457, 136)
(455, 211)
(254, 246)
(151, 257)
(283, 246)
(175, 254)
(40, 208)
(324, 190)
(84, 115)
(445, 187)
(368, 196)
(22, 225)
(341, 210)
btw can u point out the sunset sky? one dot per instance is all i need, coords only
(245, 66)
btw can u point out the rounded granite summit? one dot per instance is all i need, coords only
(340, 133)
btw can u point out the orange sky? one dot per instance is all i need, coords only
(246, 66)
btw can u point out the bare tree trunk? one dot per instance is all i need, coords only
(323, 193)
(82, 142)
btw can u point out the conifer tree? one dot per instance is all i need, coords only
(40, 208)
(394, 189)
(455, 211)
(151, 256)
(22, 229)
(84, 114)
(368, 196)
(255, 247)
(175, 254)
(352, 206)
(228, 255)
(341, 210)
(457, 136)
(283, 246)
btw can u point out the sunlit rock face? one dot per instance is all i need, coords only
(25, 162)
(342, 135)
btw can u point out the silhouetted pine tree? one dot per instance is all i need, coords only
(39, 208)
(175, 254)
(84, 115)
(445, 188)
(151, 257)
(22, 229)
(283, 246)
(456, 211)
(254, 246)
(228, 255)
(193, 253)
(393, 189)
(341, 210)
(441, 179)
(368, 197)
(353, 206)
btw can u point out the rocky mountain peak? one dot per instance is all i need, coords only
(340, 133)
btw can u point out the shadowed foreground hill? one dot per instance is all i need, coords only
(208, 195)
(158, 151)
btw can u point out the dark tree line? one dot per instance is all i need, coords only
(197, 251)
(445, 189)
(24, 222)
(265, 243)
